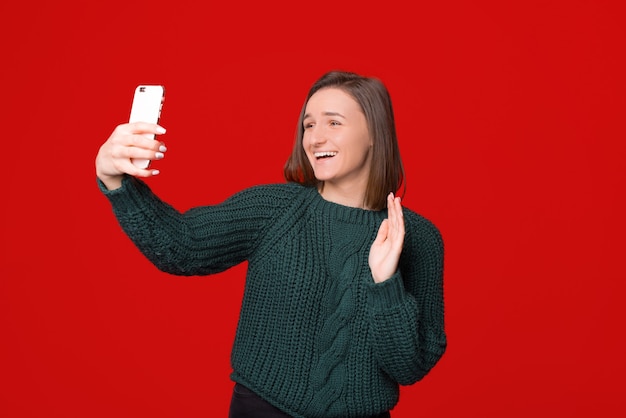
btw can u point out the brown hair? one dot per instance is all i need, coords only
(387, 172)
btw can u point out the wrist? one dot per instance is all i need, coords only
(111, 182)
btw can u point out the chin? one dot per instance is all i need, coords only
(322, 177)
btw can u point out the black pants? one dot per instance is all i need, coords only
(247, 404)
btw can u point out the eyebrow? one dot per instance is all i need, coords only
(328, 113)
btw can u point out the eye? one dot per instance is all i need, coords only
(307, 125)
(334, 123)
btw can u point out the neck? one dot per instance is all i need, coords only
(345, 196)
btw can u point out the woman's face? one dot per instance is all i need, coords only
(336, 140)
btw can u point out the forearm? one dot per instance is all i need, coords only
(405, 347)
(182, 244)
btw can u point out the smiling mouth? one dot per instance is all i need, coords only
(325, 154)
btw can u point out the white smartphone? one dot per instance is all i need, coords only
(147, 105)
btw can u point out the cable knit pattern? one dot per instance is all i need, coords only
(316, 336)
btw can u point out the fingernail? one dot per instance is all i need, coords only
(160, 130)
(158, 155)
(162, 148)
(155, 172)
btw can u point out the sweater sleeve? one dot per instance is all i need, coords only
(407, 312)
(203, 240)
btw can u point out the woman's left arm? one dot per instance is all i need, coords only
(407, 309)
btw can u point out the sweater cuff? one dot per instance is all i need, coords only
(104, 189)
(387, 294)
(124, 198)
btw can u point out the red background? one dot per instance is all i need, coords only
(511, 123)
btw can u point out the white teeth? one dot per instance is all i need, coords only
(324, 154)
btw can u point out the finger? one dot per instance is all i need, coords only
(131, 169)
(391, 209)
(140, 150)
(142, 142)
(136, 146)
(398, 215)
(396, 222)
(145, 128)
(136, 128)
(394, 213)
(124, 138)
(400, 228)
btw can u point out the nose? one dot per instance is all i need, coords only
(317, 135)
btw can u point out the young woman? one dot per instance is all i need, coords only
(343, 299)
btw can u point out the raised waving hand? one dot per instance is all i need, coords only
(386, 248)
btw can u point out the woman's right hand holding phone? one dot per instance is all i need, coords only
(128, 141)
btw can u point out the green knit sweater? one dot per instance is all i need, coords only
(316, 336)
